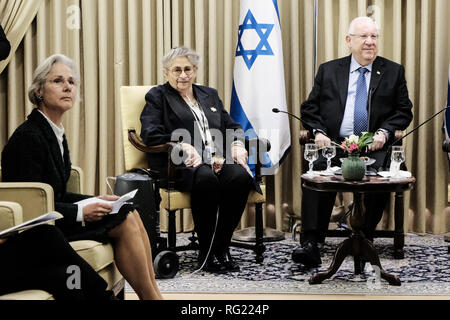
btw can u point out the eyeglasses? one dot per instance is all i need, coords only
(366, 36)
(178, 71)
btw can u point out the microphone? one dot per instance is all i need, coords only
(276, 110)
(389, 150)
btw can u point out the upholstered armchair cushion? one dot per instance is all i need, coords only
(27, 200)
(10, 214)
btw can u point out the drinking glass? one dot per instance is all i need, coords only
(311, 154)
(329, 152)
(397, 157)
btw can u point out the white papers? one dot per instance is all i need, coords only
(116, 204)
(397, 175)
(43, 219)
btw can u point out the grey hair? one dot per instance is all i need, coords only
(192, 56)
(41, 73)
(351, 28)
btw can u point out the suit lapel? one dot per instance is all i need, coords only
(210, 110)
(49, 135)
(179, 107)
(377, 74)
(342, 78)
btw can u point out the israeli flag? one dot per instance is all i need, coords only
(258, 84)
(447, 113)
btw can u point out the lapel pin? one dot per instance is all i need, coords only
(378, 72)
(213, 109)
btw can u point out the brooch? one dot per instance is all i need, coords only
(213, 109)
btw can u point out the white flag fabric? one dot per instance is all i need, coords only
(258, 83)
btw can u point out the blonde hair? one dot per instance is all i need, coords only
(41, 73)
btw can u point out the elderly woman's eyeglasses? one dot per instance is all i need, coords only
(178, 71)
(364, 37)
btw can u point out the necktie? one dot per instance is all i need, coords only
(360, 116)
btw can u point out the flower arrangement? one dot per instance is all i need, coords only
(355, 144)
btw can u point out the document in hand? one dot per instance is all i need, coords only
(45, 218)
(116, 204)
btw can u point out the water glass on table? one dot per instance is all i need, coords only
(329, 152)
(397, 157)
(311, 154)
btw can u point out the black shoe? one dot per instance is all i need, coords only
(308, 254)
(212, 264)
(225, 259)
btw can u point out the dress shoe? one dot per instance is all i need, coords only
(211, 264)
(225, 259)
(308, 255)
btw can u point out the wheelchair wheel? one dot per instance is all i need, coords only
(166, 265)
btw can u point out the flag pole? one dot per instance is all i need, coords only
(316, 6)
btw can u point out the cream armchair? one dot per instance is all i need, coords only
(23, 201)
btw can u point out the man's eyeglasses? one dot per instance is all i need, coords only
(178, 71)
(366, 36)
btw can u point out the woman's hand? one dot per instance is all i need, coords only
(96, 211)
(108, 197)
(240, 155)
(3, 240)
(193, 159)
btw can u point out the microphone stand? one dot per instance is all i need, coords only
(276, 110)
(389, 150)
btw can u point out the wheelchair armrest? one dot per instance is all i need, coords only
(137, 142)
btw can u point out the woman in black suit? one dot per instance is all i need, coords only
(38, 151)
(194, 115)
(41, 258)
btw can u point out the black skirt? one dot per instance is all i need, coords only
(98, 230)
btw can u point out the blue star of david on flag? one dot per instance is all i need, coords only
(263, 48)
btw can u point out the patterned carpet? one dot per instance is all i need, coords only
(424, 271)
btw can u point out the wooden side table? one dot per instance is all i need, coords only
(356, 245)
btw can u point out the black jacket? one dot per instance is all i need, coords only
(5, 47)
(166, 111)
(32, 154)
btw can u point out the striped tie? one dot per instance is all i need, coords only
(360, 116)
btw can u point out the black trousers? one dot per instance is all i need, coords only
(317, 206)
(225, 194)
(41, 258)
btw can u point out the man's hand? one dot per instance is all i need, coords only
(322, 140)
(193, 159)
(379, 139)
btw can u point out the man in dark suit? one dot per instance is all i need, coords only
(361, 92)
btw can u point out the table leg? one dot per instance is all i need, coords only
(357, 246)
(368, 251)
(399, 236)
(342, 252)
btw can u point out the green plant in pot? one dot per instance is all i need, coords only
(353, 167)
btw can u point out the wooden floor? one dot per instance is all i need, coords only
(219, 296)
